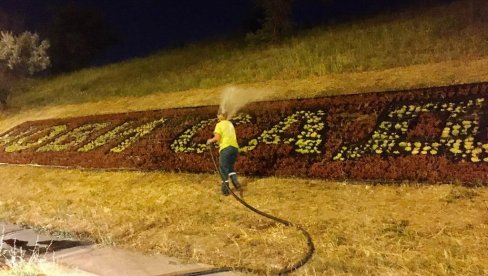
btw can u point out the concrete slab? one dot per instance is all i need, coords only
(31, 241)
(68, 252)
(53, 269)
(6, 228)
(112, 261)
(83, 259)
(28, 235)
(201, 272)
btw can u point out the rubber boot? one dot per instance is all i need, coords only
(224, 189)
(233, 177)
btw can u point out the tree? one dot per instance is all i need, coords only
(78, 36)
(20, 56)
(277, 21)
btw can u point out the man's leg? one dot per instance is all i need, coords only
(224, 170)
(232, 160)
(233, 177)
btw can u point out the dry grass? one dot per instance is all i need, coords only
(357, 228)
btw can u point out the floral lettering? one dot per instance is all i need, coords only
(13, 135)
(72, 138)
(307, 142)
(136, 134)
(124, 130)
(35, 139)
(457, 140)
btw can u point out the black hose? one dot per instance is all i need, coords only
(283, 271)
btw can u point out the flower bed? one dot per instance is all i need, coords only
(435, 134)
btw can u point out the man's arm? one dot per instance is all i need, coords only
(214, 139)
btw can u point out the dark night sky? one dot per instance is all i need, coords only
(145, 26)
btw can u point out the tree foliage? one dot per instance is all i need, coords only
(20, 56)
(24, 54)
(276, 22)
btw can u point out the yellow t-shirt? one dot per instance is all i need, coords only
(227, 134)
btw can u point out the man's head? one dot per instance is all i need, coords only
(222, 114)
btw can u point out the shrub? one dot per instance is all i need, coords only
(20, 56)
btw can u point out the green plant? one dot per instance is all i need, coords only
(24, 54)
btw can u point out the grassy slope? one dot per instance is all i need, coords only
(433, 36)
(358, 229)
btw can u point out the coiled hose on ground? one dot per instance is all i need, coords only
(283, 271)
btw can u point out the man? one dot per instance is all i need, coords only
(225, 136)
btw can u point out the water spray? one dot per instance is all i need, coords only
(232, 98)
